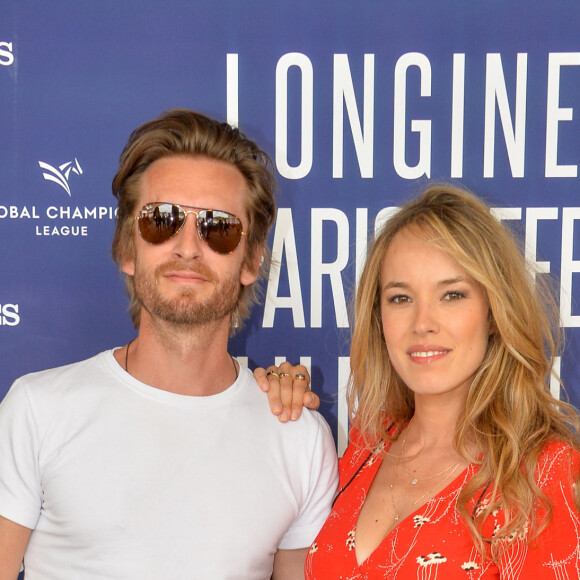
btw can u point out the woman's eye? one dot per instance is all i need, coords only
(399, 299)
(454, 295)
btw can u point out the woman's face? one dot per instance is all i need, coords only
(435, 318)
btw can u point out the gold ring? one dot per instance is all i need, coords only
(268, 373)
(283, 375)
(300, 377)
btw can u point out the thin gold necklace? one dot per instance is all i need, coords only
(415, 479)
(414, 482)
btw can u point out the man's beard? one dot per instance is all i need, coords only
(187, 308)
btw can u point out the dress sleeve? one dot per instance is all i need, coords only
(556, 551)
(20, 488)
(322, 484)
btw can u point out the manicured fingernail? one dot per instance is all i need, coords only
(277, 408)
(295, 414)
(284, 416)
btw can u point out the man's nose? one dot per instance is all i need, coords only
(187, 243)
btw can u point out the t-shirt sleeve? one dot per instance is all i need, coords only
(20, 487)
(555, 553)
(321, 488)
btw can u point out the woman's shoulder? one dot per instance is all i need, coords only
(357, 439)
(359, 442)
(558, 460)
(557, 446)
(363, 448)
(357, 445)
(360, 446)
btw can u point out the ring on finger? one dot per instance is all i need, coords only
(300, 377)
(283, 374)
(268, 373)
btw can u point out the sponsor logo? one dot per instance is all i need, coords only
(70, 221)
(6, 55)
(61, 174)
(9, 315)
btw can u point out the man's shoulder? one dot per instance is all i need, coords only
(54, 377)
(252, 393)
(311, 427)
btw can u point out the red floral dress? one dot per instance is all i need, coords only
(434, 542)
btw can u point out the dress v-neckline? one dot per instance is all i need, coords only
(455, 483)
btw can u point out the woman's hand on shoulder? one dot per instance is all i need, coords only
(288, 390)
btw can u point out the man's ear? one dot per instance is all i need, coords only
(250, 268)
(128, 264)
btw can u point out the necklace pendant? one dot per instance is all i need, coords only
(414, 482)
(397, 518)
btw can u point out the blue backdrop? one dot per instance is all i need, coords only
(359, 104)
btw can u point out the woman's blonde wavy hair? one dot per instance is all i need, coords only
(509, 413)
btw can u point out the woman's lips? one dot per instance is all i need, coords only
(424, 354)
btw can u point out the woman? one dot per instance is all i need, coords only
(460, 464)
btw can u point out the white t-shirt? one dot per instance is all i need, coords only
(120, 480)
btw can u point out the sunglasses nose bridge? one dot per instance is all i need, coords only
(197, 220)
(185, 239)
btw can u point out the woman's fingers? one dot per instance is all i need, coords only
(288, 389)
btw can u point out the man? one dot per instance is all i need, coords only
(160, 459)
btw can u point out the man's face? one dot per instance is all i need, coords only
(183, 281)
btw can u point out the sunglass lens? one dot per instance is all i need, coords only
(159, 222)
(222, 231)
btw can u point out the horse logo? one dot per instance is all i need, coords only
(61, 174)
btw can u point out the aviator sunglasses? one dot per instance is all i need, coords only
(160, 221)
